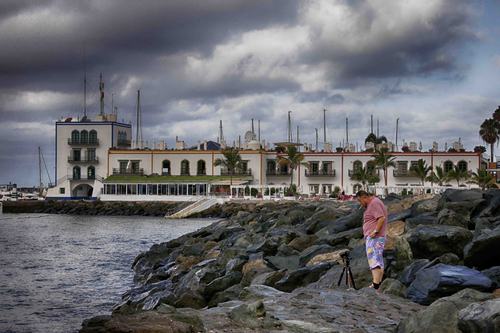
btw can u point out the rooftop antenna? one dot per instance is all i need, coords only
(347, 130)
(39, 170)
(377, 128)
(316, 139)
(84, 84)
(221, 133)
(253, 131)
(371, 123)
(138, 130)
(101, 92)
(397, 132)
(258, 130)
(298, 140)
(324, 125)
(289, 127)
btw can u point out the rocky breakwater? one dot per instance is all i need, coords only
(274, 267)
(94, 207)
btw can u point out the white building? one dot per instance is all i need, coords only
(82, 149)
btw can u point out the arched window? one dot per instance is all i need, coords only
(462, 166)
(91, 172)
(165, 168)
(93, 136)
(75, 136)
(201, 168)
(357, 165)
(370, 167)
(84, 136)
(271, 167)
(448, 166)
(76, 173)
(185, 168)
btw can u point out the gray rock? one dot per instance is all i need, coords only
(301, 277)
(425, 206)
(282, 262)
(312, 251)
(431, 241)
(483, 251)
(341, 238)
(409, 273)
(449, 259)
(442, 315)
(494, 274)
(353, 220)
(223, 283)
(269, 278)
(450, 217)
(483, 317)
(455, 195)
(425, 219)
(444, 280)
(393, 287)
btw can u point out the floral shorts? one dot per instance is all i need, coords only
(375, 251)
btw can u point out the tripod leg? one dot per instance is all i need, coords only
(341, 275)
(349, 273)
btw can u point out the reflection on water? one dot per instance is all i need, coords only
(57, 270)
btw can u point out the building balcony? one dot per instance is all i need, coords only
(403, 173)
(278, 173)
(93, 160)
(320, 173)
(84, 178)
(122, 172)
(80, 142)
(236, 173)
(375, 172)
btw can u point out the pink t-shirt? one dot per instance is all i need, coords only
(375, 210)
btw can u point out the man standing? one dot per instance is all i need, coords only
(374, 227)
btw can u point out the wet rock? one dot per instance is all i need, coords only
(402, 253)
(398, 216)
(428, 241)
(443, 280)
(301, 277)
(393, 287)
(450, 217)
(483, 252)
(442, 315)
(449, 259)
(494, 274)
(422, 219)
(482, 317)
(223, 283)
(282, 262)
(409, 273)
(313, 251)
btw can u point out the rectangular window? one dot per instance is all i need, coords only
(91, 154)
(142, 189)
(152, 189)
(62, 190)
(123, 166)
(121, 189)
(76, 155)
(172, 189)
(132, 189)
(135, 167)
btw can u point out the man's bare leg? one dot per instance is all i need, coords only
(377, 274)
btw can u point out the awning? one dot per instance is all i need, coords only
(228, 182)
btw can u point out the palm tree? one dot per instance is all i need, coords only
(383, 160)
(496, 114)
(439, 176)
(232, 161)
(489, 132)
(293, 158)
(365, 176)
(457, 174)
(483, 179)
(421, 170)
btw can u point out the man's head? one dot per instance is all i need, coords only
(364, 198)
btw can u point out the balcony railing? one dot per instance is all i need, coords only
(85, 177)
(320, 173)
(375, 172)
(236, 173)
(404, 173)
(72, 159)
(80, 142)
(278, 173)
(122, 172)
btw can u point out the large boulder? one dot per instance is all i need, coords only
(393, 287)
(483, 251)
(482, 317)
(424, 218)
(493, 273)
(351, 221)
(444, 280)
(410, 271)
(450, 217)
(313, 251)
(442, 315)
(454, 195)
(430, 241)
(302, 277)
(425, 206)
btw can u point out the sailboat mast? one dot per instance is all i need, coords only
(39, 170)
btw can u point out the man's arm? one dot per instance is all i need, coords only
(380, 223)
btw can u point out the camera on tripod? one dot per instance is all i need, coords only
(346, 260)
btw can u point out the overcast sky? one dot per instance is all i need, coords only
(435, 64)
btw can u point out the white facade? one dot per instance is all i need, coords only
(81, 155)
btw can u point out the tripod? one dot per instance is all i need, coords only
(349, 279)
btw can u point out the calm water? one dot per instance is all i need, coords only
(57, 270)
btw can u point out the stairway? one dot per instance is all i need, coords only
(195, 207)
